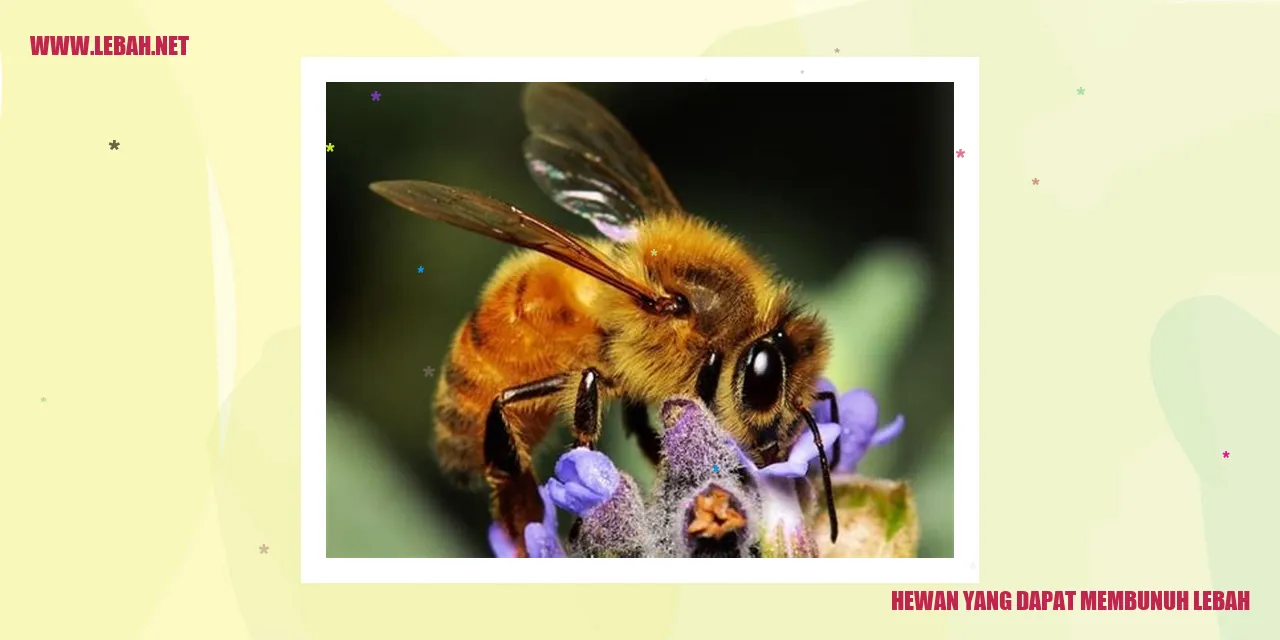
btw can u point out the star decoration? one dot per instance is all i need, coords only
(376, 96)
(1080, 91)
(329, 147)
(1226, 454)
(1035, 181)
(428, 372)
(715, 468)
(653, 252)
(114, 145)
(959, 153)
(419, 268)
(42, 399)
(837, 50)
(263, 549)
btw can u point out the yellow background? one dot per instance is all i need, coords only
(1109, 388)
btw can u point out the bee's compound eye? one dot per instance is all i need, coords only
(762, 377)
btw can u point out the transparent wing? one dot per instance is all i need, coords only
(584, 159)
(484, 215)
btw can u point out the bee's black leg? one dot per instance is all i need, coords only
(516, 502)
(586, 409)
(635, 417)
(826, 471)
(830, 397)
(501, 448)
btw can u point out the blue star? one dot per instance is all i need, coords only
(419, 268)
(716, 468)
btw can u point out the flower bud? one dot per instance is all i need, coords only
(877, 519)
(616, 528)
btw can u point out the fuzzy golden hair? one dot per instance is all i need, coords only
(735, 299)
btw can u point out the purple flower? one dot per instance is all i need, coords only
(540, 538)
(500, 542)
(584, 479)
(542, 541)
(700, 507)
(803, 452)
(859, 417)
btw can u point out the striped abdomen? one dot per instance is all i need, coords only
(531, 323)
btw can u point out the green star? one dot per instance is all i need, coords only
(1080, 91)
(329, 147)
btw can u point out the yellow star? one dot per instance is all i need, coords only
(329, 147)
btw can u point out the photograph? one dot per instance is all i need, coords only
(639, 320)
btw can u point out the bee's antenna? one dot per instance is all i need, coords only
(826, 471)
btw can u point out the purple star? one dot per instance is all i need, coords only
(376, 96)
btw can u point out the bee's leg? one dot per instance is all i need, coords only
(516, 502)
(586, 410)
(635, 417)
(830, 398)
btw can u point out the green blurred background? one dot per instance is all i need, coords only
(846, 188)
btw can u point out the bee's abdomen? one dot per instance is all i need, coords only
(456, 417)
(526, 327)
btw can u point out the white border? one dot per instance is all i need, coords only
(316, 568)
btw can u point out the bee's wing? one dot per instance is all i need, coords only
(582, 157)
(486, 216)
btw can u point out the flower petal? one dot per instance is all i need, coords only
(889, 432)
(853, 446)
(805, 450)
(541, 542)
(500, 542)
(549, 519)
(584, 479)
(859, 410)
(574, 498)
(786, 469)
(822, 408)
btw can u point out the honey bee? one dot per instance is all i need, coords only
(665, 304)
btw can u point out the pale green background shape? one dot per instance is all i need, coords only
(1216, 371)
(1100, 452)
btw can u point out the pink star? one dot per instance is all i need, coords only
(1226, 454)
(1035, 181)
(960, 153)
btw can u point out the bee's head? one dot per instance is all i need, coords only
(765, 381)
(740, 342)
